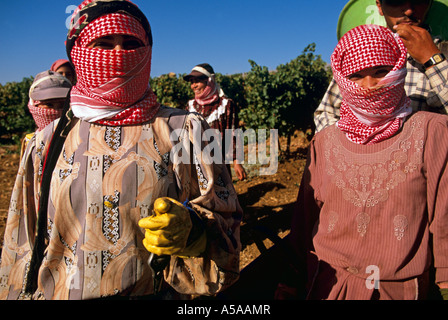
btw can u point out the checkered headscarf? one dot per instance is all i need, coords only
(373, 114)
(113, 85)
(43, 116)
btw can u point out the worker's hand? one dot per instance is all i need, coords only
(239, 171)
(443, 287)
(168, 230)
(418, 41)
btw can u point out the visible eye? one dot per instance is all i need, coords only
(103, 44)
(382, 72)
(355, 77)
(117, 42)
(52, 104)
(132, 43)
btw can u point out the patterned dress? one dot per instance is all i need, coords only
(369, 213)
(106, 180)
(221, 115)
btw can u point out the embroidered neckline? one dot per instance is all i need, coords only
(366, 178)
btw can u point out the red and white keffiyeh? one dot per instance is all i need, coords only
(43, 116)
(113, 85)
(370, 115)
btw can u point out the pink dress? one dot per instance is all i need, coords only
(370, 218)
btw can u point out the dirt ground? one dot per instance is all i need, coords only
(9, 164)
(266, 200)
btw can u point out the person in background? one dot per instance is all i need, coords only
(64, 67)
(426, 82)
(111, 210)
(47, 97)
(219, 111)
(54, 109)
(372, 207)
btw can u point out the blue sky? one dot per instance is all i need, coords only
(224, 33)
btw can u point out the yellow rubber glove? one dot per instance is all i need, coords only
(168, 230)
(444, 293)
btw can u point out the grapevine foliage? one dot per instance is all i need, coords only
(15, 118)
(286, 98)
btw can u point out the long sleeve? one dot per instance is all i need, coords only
(208, 186)
(327, 113)
(307, 207)
(438, 80)
(436, 159)
(382, 205)
(16, 245)
(22, 217)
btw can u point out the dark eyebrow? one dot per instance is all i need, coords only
(380, 67)
(125, 36)
(105, 38)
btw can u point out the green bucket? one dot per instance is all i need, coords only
(438, 19)
(359, 12)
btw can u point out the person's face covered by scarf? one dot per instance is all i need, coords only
(46, 111)
(47, 97)
(112, 58)
(369, 66)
